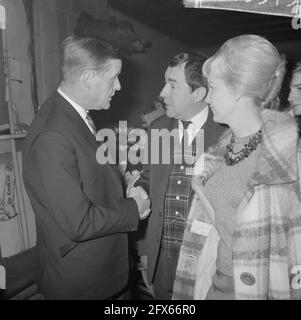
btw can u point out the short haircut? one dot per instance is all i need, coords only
(82, 53)
(192, 69)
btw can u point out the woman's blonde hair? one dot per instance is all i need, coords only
(251, 66)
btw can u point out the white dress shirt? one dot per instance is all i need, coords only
(81, 111)
(197, 122)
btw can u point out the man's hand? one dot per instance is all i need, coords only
(131, 178)
(137, 192)
(142, 200)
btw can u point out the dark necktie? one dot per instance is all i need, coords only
(185, 138)
(91, 123)
(185, 124)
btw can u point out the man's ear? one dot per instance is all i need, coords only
(199, 94)
(87, 78)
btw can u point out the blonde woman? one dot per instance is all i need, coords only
(243, 236)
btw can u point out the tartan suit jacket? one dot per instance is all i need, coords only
(267, 238)
(154, 180)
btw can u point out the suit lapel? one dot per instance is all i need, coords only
(161, 172)
(69, 112)
(80, 125)
(90, 138)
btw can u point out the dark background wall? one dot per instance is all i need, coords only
(143, 74)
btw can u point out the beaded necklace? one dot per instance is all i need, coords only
(232, 158)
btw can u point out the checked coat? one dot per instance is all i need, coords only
(267, 239)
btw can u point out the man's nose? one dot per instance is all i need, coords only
(163, 92)
(117, 85)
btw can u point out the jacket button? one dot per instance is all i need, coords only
(247, 278)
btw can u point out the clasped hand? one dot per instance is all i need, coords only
(137, 193)
(142, 200)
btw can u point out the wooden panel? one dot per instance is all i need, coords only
(3, 104)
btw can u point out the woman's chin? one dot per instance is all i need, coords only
(218, 119)
(215, 117)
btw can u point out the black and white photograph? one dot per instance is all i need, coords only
(150, 152)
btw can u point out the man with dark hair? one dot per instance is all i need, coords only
(81, 214)
(169, 185)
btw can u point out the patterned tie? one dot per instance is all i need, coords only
(91, 123)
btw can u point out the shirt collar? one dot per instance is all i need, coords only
(198, 120)
(82, 112)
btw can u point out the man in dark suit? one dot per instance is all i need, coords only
(169, 185)
(81, 214)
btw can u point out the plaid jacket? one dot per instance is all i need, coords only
(178, 199)
(267, 238)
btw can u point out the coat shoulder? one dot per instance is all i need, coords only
(162, 122)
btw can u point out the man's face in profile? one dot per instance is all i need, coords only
(177, 94)
(105, 83)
